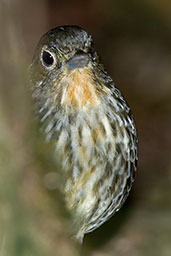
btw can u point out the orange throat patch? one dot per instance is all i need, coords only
(79, 89)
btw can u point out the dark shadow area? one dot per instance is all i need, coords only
(99, 237)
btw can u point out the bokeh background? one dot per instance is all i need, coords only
(134, 41)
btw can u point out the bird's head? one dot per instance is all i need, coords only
(65, 68)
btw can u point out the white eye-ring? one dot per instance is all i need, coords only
(47, 58)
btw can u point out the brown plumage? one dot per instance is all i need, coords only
(90, 124)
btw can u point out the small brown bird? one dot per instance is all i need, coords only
(90, 124)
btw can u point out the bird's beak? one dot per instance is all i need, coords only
(79, 60)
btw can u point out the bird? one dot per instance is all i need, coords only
(88, 121)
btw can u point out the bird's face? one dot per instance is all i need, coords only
(62, 71)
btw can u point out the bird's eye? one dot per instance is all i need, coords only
(48, 59)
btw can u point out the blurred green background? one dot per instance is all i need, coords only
(134, 41)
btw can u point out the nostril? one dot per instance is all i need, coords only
(80, 52)
(78, 60)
